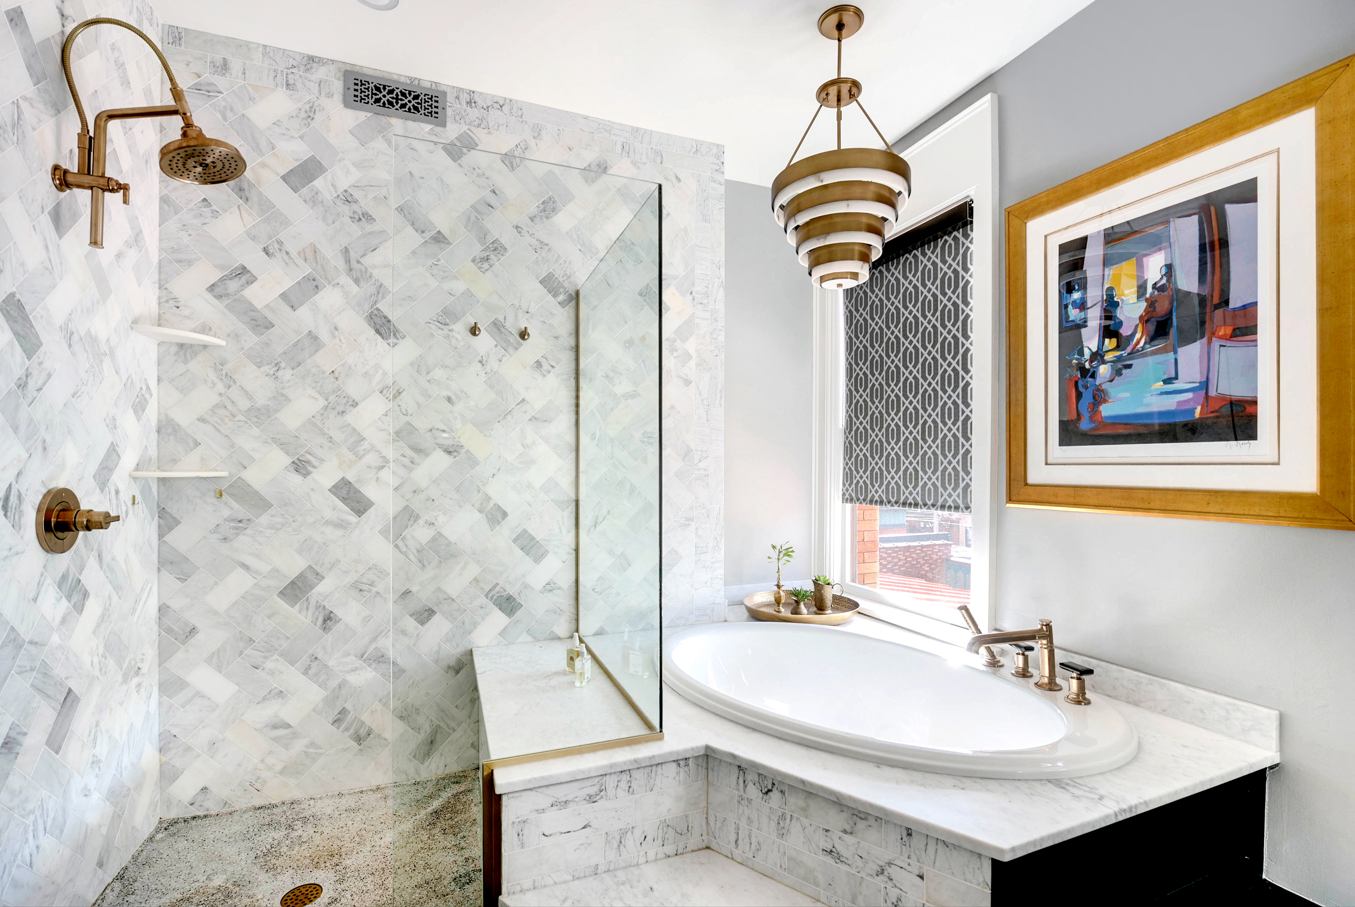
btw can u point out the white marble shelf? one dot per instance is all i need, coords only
(182, 474)
(1002, 819)
(702, 878)
(175, 335)
(529, 704)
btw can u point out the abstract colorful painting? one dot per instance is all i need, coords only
(1158, 327)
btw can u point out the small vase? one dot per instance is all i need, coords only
(823, 597)
(799, 609)
(779, 597)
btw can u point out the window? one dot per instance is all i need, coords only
(904, 390)
(919, 554)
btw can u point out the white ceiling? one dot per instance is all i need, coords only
(738, 72)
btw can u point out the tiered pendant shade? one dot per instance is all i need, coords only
(837, 207)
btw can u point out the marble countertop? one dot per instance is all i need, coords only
(529, 704)
(1002, 819)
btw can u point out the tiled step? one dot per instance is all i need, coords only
(702, 878)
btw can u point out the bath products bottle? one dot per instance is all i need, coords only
(583, 666)
(572, 653)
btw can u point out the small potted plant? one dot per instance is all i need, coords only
(781, 556)
(801, 595)
(823, 594)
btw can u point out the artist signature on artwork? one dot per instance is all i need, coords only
(1239, 445)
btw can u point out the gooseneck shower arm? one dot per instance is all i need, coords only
(193, 158)
(181, 105)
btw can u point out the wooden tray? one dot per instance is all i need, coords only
(761, 606)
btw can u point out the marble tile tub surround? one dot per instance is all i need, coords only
(79, 785)
(558, 832)
(697, 879)
(274, 605)
(836, 853)
(847, 831)
(997, 818)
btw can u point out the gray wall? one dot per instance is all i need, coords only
(79, 772)
(768, 348)
(1261, 613)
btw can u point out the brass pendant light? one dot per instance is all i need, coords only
(837, 207)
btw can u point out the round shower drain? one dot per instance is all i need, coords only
(302, 895)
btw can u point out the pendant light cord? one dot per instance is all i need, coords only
(888, 147)
(806, 135)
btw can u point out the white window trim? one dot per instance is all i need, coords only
(955, 162)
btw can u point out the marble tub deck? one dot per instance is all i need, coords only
(702, 877)
(529, 704)
(1001, 819)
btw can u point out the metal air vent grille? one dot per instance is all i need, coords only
(362, 91)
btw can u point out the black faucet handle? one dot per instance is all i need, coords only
(1073, 667)
(1022, 647)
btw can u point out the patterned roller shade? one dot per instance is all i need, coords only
(909, 406)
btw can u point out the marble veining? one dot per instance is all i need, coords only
(691, 880)
(1245, 721)
(556, 833)
(329, 269)
(529, 703)
(79, 770)
(999, 819)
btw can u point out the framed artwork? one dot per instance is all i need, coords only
(1180, 321)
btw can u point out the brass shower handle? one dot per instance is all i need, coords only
(61, 520)
(83, 520)
(65, 179)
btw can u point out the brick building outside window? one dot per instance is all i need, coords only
(922, 553)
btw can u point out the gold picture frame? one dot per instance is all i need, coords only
(1330, 93)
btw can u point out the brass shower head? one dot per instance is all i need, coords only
(192, 158)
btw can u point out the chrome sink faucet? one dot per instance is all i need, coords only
(1042, 637)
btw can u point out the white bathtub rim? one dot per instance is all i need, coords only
(1009, 765)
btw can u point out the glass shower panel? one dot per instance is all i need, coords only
(491, 257)
(619, 461)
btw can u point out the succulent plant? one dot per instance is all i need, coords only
(823, 580)
(801, 595)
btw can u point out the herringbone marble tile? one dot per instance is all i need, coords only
(485, 454)
(619, 407)
(399, 493)
(79, 785)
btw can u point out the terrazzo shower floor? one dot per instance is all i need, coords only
(403, 845)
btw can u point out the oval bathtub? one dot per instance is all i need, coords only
(884, 702)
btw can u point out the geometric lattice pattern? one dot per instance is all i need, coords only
(363, 92)
(485, 456)
(283, 672)
(79, 786)
(909, 408)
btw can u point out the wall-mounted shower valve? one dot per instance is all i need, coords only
(60, 520)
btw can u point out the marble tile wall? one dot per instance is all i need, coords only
(838, 854)
(581, 828)
(619, 415)
(485, 460)
(79, 785)
(276, 599)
